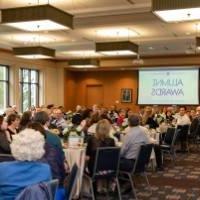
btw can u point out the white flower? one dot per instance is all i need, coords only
(73, 133)
(70, 125)
(69, 112)
(124, 123)
(65, 130)
(79, 128)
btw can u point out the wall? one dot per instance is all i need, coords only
(52, 78)
(112, 82)
(63, 87)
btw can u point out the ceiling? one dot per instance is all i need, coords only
(104, 20)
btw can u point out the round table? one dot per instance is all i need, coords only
(76, 155)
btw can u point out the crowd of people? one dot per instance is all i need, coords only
(37, 153)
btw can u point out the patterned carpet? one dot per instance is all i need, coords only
(176, 182)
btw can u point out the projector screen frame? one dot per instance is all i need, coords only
(157, 68)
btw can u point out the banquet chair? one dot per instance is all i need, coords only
(44, 191)
(106, 167)
(67, 192)
(183, 137)
(170, 140)
(194, 137)
(139, 166)
(53, 185)
(6, 157)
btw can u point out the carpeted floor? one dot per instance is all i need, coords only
(176, 182)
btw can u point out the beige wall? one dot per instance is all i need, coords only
(60, 86)
(52, 78)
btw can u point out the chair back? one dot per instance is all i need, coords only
(53, 185)
(72, 180)
(184, 129)
(197, 131)
(37, 191)
(143, 158)
(175, 137)
(106, 162)
(169, 136)
(6, 157)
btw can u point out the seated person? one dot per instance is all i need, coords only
(121, 117)
(27, 147)
(13, 125)
(148, 118)
(58, 120)
(134, 138)
(100, 139)
(4, 143)
(43, 118)
(52, 156)
(77, 116)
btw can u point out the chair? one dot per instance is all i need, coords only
(6, 157)
(67, 192)
(38, 191)
(170, 141)
(194, 136)
(71, 183)
(139, 165)
(106, 166)
(53, 185)
(183, 136)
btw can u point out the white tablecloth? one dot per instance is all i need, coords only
(76, 155)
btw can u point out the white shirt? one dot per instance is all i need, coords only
(183, 120)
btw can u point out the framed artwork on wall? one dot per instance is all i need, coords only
(126, 95)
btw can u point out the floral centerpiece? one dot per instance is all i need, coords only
(71, 131)
(124, 125)
(69, 115)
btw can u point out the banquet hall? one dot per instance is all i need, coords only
(99, 99)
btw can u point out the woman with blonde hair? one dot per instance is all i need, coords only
(148, 118)
(100, 139)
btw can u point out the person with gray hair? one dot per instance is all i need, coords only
(27, 148)
(132, 142)
(135, 137)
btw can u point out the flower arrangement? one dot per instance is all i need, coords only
(71, 131)
(69, 115)
(124, 125)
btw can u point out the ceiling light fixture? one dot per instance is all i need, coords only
(37, 18)
(176, 10)
(119, 48)
(84, 63)
(34, 52)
